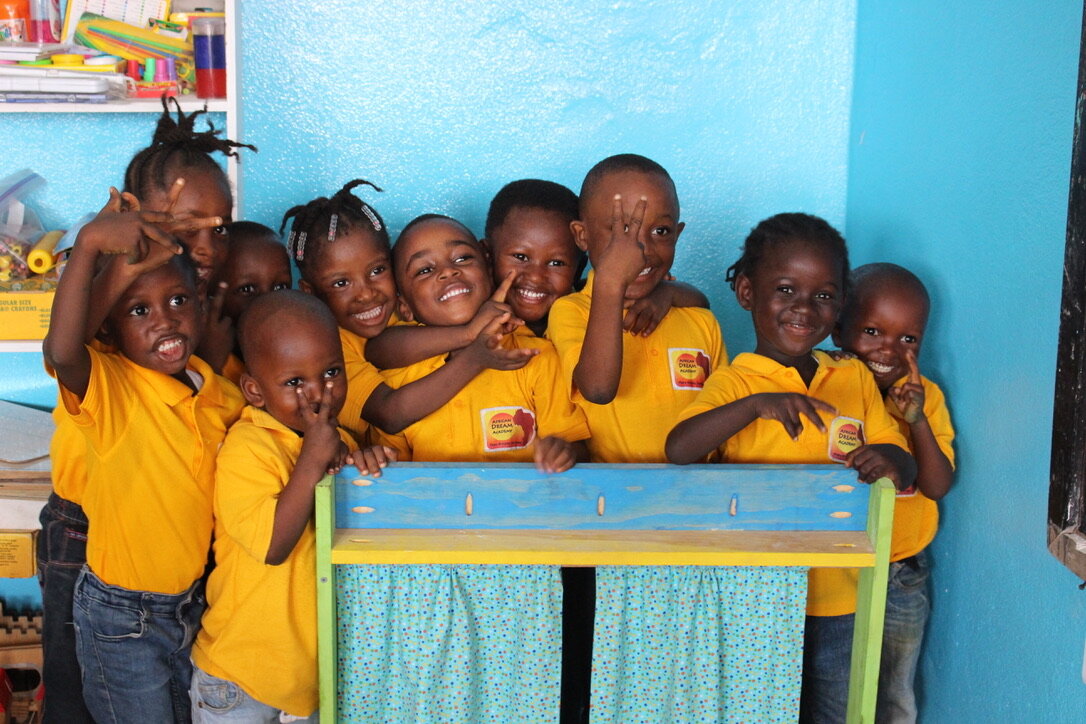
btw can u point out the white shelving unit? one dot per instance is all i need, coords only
(229, 106)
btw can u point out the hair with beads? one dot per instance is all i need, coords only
(323, 220)
(176, 146)
(785, 228)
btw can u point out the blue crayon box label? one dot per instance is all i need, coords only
(846, 434)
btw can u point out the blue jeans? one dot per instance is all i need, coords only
(62, 551)
(907, 608)
(827, 658)
(218, 700)
(134, 650)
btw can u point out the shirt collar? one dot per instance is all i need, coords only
(172, 391)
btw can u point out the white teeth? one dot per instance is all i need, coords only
(645, 271)
(369, 314)
(532, 295)
(879, 369)
(169, 345)
(453, 293)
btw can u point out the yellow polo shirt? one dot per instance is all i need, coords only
(233, 368)
(661, 375)
(362, 379)
(848, 386)
(496, 417)
(67, 457)
(151, 446)
(916, 516)
(260, 628)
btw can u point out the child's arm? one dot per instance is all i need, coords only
(403, 345)
(218, 340)
(934, 472)
(694, 438)
(137, 235)
(323, 452)
(599, 368)
(393, 410)
(555, 455)
(883, 460)
(646, 313)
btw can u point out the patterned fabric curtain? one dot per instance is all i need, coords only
(698, 644)
(438, 643)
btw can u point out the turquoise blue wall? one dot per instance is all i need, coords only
(960, 153)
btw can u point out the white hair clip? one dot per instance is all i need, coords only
(299, 251)
(371, 216)
(332, 224)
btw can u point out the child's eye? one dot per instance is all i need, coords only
(247, 289)
(463, 258)
(178, 300)
(338, 283)
(138, 310)
(784, 289)
(871, 331)
(556, 262)
(423, 270)
(378, 271)
(280, 285)
(908, 339)
(662, 231)
(219, 231)
(519, 257)
(824, 297)
(332, 372)
(293, 382)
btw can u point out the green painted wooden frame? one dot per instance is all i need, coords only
(866, 642)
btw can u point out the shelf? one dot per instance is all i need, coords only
(135, 105)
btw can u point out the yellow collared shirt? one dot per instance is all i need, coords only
(661, 375)
(362, 379)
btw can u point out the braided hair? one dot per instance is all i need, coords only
(177, 144)
(784, 228)
(323, 220)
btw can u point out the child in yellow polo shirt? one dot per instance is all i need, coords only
(256, 653)
(256, 263)
(786, 403)
(631, 387)
(341, 247)
(152, 416)
(519, 415)
(883, 324)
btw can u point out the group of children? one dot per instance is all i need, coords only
(201, 400)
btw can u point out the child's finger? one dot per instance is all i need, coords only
(792, 424)
(175, 194)
(914, 368)
(129, 201)
(218, 299)
(303, 403)
(160, 237)
(638, 216)
(617, 222)
(502, 291)
(195, 223)
(114, 203)
(324, 409)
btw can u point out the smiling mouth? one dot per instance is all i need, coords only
(879, 368)
(453, 293)
(370, 315)
(531, 295)
(645, 272)
(170, 349)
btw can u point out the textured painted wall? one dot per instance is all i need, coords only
(960, 158)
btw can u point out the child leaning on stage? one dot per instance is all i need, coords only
(152, 417)
(883, 324)
(341, 247)
(520, 415)
(256, 263)
(631, 387)
(785, 403)
(256, 653)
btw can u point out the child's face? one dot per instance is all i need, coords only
(794, 296)
(157, 321)
(291, 355)
(353, 276)
(881, 327)
(659, 231)
(536, 246)
(252, 270)
(205, 194)
(442, 273)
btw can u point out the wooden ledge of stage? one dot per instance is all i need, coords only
(836, 549)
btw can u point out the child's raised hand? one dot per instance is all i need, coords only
(909, 396)
(787, 407)
(554, 455)
(488, 352)
(370, 460)
(624, 256)
(870, 464)
(217, 342)
(495, 308)
(321, 444)
(646, 313)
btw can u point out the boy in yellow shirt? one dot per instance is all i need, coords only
(883, 323)
(631, 387)
(256, 653)
(152, 416)
(520, 415)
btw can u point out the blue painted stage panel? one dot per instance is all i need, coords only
(648, 497)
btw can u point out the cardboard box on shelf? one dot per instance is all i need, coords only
(25, 305)
(17, 559)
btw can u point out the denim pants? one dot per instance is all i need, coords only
(134, 650)
(62, 551)
(827, 651)
(218, 700)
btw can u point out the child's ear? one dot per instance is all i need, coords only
(744, 291)
(488, 253)
(105, 334)
(835, 335)
(304, 286)
(403, 310)
(250, 389)
(580, 235)
(679, 229)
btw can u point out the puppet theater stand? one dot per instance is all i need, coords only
(439, 595)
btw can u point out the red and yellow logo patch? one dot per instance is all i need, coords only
(689, 368)
(846, 434)
(507, 428)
